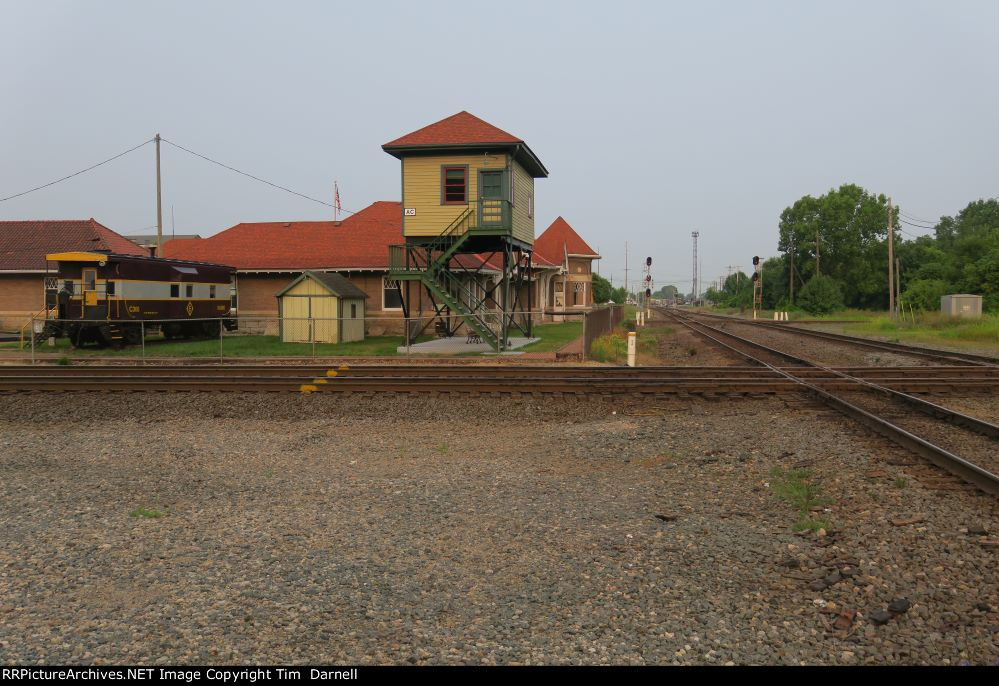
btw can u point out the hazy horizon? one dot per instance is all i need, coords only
(655, 119)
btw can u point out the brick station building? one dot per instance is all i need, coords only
(268, 256)
(23, 247)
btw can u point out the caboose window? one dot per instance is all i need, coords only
(211, 292)
(89, 280)
(454, 185)
(175, 290)
(109, 289)
(189, 291)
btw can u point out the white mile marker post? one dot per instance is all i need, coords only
(632, 347)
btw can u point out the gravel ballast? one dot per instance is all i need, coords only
(256, 528)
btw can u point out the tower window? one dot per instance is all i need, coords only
(454, 185)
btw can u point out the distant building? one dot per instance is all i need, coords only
(23, 246)
(564, 263)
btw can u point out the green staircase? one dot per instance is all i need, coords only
(428, 264)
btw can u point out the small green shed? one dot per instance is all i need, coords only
(321, 307)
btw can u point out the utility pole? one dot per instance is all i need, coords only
(790, 271)
(627, 289)
(694, 235)
(159, 202)
(891, 259)
(816, 252)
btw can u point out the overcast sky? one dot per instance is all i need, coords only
(654, 118)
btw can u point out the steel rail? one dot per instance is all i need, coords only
(936, 411)
(925, 372)
(944, 459)
(900, 348)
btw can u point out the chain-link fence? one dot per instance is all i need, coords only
(245, 335)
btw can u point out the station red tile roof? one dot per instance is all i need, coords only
(358, 242)
(458, 129)
(559, 240)
(24, 244)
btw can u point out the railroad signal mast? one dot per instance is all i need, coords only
(647, 283)
(694, 235)
(757, 285)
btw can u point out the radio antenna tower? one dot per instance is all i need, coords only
(694, 235)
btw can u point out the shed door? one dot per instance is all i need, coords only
(295, 319)
(324, 317)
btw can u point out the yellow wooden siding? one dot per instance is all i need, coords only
(353, 329)
(308, 286)
(422, 190)
(523, 189)
(325, 311)
(294, 320)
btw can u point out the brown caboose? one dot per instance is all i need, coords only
(111, 299)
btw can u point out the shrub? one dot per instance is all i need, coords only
(924, 294)
(821, 295)
(609, 348)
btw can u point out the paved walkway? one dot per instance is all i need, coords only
(457, 345)
(572, 348)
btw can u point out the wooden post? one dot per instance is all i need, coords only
(891, 259)
(159, 202)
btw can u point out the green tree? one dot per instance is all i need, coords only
(603, 291)
(821, 295)
(849, 228)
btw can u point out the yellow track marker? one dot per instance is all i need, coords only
(331, 372)
(308, 388)
(343, 367)
(320, 381)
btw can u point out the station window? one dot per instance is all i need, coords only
(391, 299)
(189, 291)
(211, 292)
(454, 185)
(175, 290)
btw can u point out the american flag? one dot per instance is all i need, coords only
(336, 201)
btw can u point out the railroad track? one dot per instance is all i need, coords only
(941, 356)
(986, 433)
(490, 379)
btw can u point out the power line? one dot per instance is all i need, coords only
(916, 219)
(255, 178)
(917, 226)
(82, 171)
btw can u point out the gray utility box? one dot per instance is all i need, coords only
(961, 306)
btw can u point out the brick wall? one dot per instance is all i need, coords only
(258, 298)
(21, 295)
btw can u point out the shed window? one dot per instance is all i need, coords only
(353, 311)
(455, 185)
(391, 299)
(175, 290)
